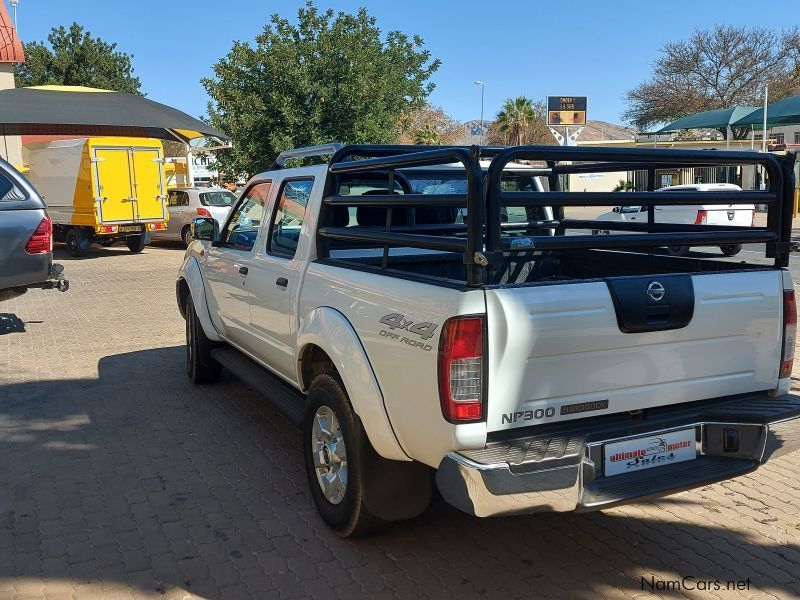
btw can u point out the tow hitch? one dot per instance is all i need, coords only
(56, 279)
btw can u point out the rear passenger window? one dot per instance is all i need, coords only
(8, 191)
(242, 229)
(287, 221)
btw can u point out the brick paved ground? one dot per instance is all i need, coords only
(118, 479)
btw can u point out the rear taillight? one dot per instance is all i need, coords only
(461, 363)
(203, 212)
(789, 333)
(41, 241)
(702, 217)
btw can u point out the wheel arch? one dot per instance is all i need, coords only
(326, 338)
(190, 281)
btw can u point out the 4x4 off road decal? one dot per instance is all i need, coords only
(396, 322)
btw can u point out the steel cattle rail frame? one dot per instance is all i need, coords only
(388, 159)
(483, 246)
(775, 235)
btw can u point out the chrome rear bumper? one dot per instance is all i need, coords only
(563, 469)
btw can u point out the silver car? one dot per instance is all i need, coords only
(187, 203)
(26, 238)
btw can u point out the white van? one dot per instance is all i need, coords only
(741, 215)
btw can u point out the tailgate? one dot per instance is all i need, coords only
(558, 352)
(17, 267)
(740, 215)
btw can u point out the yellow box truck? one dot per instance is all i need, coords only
(100, 189)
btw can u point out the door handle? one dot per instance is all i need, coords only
(243, 270)
(282, 282)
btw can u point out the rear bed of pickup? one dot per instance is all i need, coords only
(609, 371)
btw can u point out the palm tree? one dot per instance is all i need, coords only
(427, 135)
(515, 117)
(624, 186)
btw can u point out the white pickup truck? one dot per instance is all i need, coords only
(429, 315)
(743, 215)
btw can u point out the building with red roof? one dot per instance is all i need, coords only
(11, 52)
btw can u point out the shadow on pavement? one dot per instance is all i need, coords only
(139, 479)
(60, 253)
(11, 323)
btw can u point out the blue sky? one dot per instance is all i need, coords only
(598, 49)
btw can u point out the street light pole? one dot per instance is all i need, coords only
(483, 87)
(764, 132)
(14, 6)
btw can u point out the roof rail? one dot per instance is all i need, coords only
(321, 150)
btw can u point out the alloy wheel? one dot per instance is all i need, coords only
(329, 454)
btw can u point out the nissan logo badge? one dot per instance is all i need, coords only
(656, 291)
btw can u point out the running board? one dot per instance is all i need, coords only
(281, 395)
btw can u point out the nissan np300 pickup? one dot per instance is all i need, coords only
(433, 315)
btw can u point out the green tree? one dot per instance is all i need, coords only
(429, 125)
(427, 135)
(722, 67)
(327, 77)
(73, 57)
(520, 121)
(623, 186)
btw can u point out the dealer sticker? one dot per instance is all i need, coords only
(647, 452)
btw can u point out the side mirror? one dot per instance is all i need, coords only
(616, 209)
(205, 229)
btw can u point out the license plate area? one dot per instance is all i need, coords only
(131, 228)
(648, 452)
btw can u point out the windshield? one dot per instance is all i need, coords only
(223, 199)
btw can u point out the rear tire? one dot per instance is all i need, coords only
(77, 243)
(200, 365)
(678, 250)
(136, 243)
(186, 236)
(731, 250)
(375, 489)
(342, 506)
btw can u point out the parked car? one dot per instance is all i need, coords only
(184, 204)
(526, 369)
(26, 238)
(738, 215)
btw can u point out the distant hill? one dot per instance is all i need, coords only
(601, 130)
(595, 130)
(472, 133)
